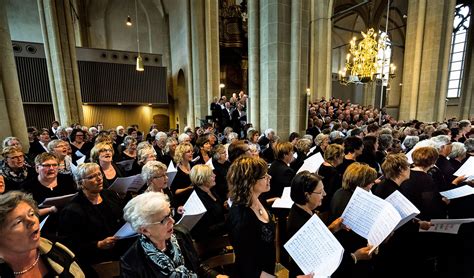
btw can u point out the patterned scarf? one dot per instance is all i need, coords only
(171, 267)
(18, 176)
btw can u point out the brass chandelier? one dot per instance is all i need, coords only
(362, 62)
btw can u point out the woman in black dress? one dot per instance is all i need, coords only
(211, 224)
(102, 153)
(181, 186)
(332, 180)
(88, 223)
(356, 175)
(250, 225)
(307, 193)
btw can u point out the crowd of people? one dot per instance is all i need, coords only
(237, 172)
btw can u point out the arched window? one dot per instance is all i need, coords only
(458, 49)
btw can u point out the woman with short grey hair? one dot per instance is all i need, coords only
(156, 253)
(409, 142)
(89, 221)
(154, 175)
(457, 155)
(60, 149)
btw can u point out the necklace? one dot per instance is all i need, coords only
(16, 273)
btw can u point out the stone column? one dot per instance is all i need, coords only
(199, 62)
(60, 50)
(212, 50)
(254, 63)
(425, 70)
(299, 64)
(12, 117)
(321, 48)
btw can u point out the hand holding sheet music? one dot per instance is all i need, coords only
(312, 163)
(123, 185)
(458, 192)
(194, 209)
(285, 200)
(315, 249)
(370, 217)
(125, 231)
(59, 201)
(467, 169)
(448, 226)
(171, 172)
(404, 207)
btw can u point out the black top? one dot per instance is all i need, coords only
(282, 175)
(220, 170)
(211, 224)
(348, 239)
(298, 162)
(343, 166)
(85, 150)
(385, 188)
(253, 242)
(65, 186)
(422, 192)
(297, 218)
(82, 224)
(332, 181)
(118, 174)
(181, 180)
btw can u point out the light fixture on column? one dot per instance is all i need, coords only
(139, 57)
(129, 21)
(221, 86)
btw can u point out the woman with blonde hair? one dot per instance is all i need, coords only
(102, 153)
(181, 186)
(211, 224)
(332, 180)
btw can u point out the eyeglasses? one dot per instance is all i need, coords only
(105, 150)
(316, 192)
(60, 146)
(94, 176)
(266, 176)
(166, 219)
(53, 165)
(161, 176)
(17, 157)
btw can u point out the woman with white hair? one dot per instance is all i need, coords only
(409, 142)
(457, 155)
(154, 175)
(156, 253)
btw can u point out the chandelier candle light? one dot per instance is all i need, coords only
(364, 63)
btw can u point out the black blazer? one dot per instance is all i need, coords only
(282, 175)
(82, 224)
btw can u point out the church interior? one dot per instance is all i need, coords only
(74, 61)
